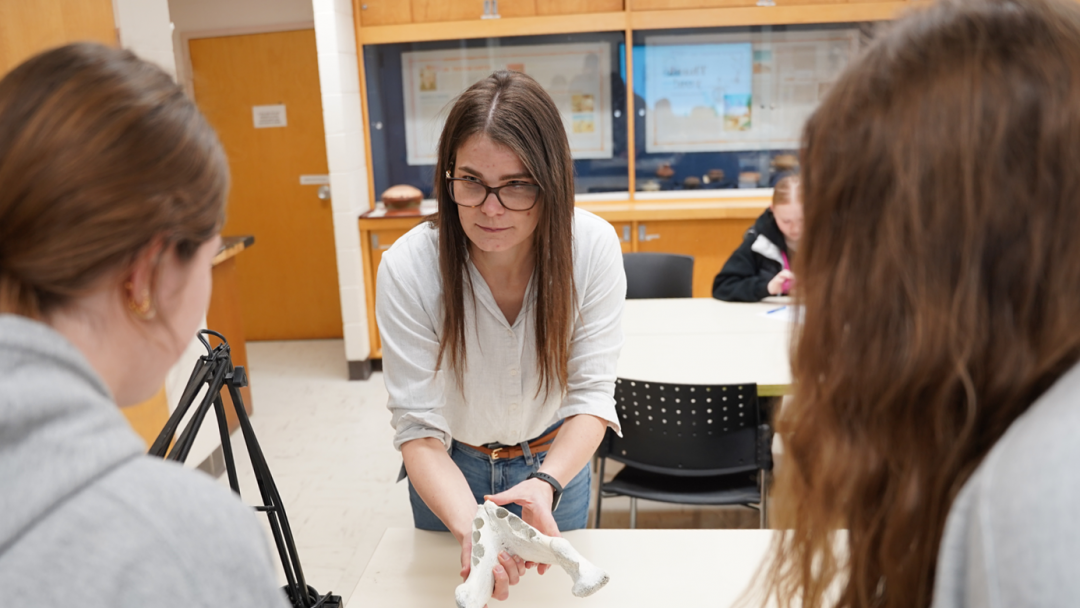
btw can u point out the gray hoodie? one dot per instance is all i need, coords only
(86, 519)
(1012, 538)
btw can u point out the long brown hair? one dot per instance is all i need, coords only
(513, 110)
(940, 278)
(100, 153)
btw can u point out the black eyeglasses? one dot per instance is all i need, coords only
(515, 196)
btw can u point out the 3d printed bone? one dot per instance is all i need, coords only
(495, 529)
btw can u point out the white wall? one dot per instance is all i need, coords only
(146, 31)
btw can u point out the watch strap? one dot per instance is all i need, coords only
(557, 496)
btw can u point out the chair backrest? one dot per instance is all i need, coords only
(688, 429)
(658, 275)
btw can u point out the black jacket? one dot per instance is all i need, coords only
(745, 276)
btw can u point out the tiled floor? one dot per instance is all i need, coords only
(328, 444)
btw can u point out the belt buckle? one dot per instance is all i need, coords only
(495, 452)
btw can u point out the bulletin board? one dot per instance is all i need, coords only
(576, 75)
(717, 92)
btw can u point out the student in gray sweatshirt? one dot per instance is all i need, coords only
(112, 191)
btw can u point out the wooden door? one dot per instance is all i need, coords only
(711, 242)
(288, 280)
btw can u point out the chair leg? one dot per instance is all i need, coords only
(633, 513)
(600, 490)
(764, 504)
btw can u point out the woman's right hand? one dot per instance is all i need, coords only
(507, 572)
(777, 284)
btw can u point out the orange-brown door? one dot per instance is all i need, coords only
(288, 279)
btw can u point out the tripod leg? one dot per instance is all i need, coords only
(199, 376)
(183, 445)
(275, 511)
(226, 443)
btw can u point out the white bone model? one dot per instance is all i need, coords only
(496, 529)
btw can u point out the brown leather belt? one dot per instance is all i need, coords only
(536, 446)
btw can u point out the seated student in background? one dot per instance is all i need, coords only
(761, 266)
(112, 193)
(937, 386)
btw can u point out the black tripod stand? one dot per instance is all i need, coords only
(216, 371)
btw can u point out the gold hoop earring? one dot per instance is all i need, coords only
(143, 309)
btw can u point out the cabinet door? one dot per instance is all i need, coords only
(571, 7)
(427, 11)
(385, 12)
(625, 230)
(657, 5)
(711, 242)
(375, 244)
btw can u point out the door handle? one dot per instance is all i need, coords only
(324, 193)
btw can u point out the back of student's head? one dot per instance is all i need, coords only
(786, 190)
(940, 272)
(100, 153)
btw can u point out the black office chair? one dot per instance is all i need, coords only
(658, 275)
(689, 444)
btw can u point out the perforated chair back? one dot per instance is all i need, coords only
(658, 275)
(688, 430)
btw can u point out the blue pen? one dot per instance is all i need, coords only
(769, 312)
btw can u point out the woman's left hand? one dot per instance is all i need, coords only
(534, 496)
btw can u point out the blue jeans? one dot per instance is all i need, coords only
(487, 476)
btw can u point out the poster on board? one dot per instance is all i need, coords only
(576, 75)
(718, 92)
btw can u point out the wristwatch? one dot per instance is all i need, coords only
(554, 484)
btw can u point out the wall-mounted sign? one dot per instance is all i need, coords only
(267, 117)
(314, 180)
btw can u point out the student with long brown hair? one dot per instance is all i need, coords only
(937, 397)
(112, 193)
(501, 323)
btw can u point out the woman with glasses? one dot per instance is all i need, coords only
(501, 324)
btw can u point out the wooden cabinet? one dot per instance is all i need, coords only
(397, 12)
(708, 230)
(654, 5)
(376, 236)
(27, 28)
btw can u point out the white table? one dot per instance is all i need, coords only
(706, 341)
(648, 568)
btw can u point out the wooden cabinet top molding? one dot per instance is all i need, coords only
(493, 28)
(823, 12)
(622, 211)
(804, 12)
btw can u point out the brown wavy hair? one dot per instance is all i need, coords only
(513, 110)
(100, 153)
(940, 278)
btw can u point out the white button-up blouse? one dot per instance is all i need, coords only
(498, 401)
